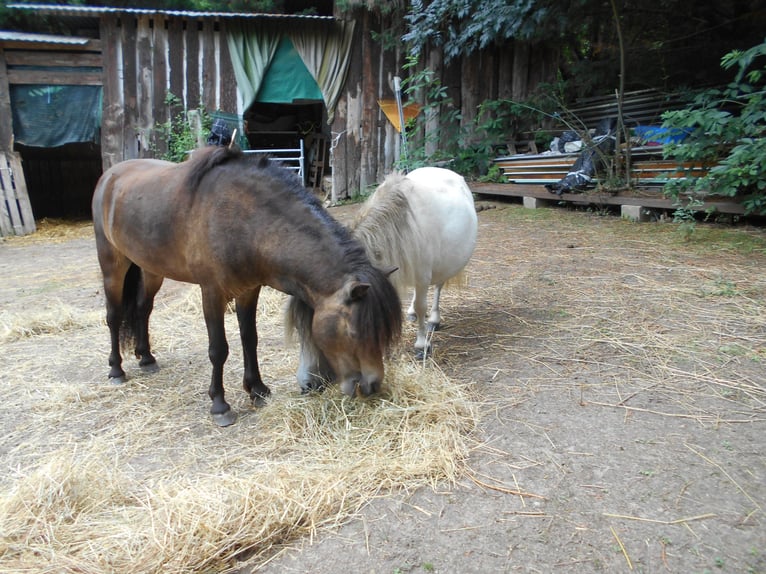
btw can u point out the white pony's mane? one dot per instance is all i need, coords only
(386, 228)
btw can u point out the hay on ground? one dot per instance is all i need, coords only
(105, 478)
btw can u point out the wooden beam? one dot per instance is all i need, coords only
(89, 46)
(112, 112)
(647, 198)
(54, 78)
(6, 122)
(53, 59)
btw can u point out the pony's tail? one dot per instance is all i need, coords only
(131, 288)
(459, 281)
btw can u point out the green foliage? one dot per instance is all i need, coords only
(726, 131)
(178, 134)
(464, 26)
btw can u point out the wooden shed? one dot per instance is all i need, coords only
(307, 82)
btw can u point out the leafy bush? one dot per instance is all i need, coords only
(178, 133)
(727, 130)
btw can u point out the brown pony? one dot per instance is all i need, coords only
(233, 224)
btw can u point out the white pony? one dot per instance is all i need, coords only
(424, 224)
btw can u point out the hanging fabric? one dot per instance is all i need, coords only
(326, 52)
(251, 47)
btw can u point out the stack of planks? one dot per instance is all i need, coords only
(648, 168)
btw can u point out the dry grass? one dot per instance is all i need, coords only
(53, 230)
(135, 478)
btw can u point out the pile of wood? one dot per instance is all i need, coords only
(648, 168)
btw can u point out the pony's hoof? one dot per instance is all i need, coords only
(348, 387)
(150, 368)
(225, 419)
(119, 379)
(259, 400)
(433, 327)
(421, 354)
(411, 317)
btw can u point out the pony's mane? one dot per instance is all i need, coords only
(205, 159)
(386, 228)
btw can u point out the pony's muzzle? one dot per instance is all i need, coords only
(367, 385)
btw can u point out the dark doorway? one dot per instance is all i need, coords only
(60, 180)
(298, 125)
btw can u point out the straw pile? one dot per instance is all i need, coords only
(136, 478)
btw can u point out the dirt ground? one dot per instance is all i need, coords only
(621, 373)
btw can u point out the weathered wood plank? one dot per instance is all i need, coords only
(645, 198)
(130, 87)
(92, 45)
(228, 99)
(145, 86)
(176, 58)
(112, 112)
(209, 66)
(6, 119)
(160, 79)
(7, 199)
(53, 58)
(54, 77)
(193, 98)
(16, 216)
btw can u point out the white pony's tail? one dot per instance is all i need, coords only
(459, 281)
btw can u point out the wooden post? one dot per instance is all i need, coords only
(6, 120)
(112, 114)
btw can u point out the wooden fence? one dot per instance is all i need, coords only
(15, 211)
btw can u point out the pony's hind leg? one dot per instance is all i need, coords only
(213, 307)
(252, 382)
(434, 318)
(113, 321)
(114, 269)
(145, 303)
(418, 308)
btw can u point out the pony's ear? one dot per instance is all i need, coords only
(357, 290)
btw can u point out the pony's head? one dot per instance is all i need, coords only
(345, 337)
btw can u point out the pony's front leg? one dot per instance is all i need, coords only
(213, 307)
(248, 333)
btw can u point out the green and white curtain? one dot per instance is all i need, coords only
(325, 52)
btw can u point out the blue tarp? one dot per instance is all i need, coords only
(51, 116)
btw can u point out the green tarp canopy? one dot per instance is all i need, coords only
(325, 53)
(287, 79)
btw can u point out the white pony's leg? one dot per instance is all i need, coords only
(411, 315)
(419, 305)
(312, 375)
(434, 319)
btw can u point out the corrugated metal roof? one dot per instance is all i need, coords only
(96, 11)
(9, 36)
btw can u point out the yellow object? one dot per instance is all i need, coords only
(410, 111)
